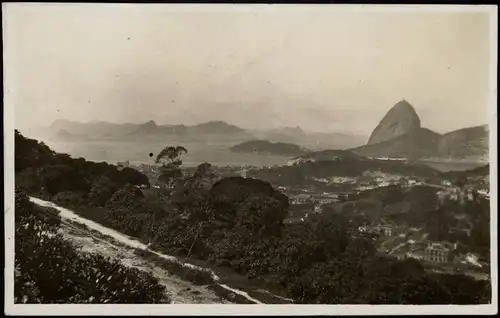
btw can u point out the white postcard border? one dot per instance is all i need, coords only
(193, 309)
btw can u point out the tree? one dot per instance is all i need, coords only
(127, 197)
(58, 178)
(196, 186)
(30, 153)
(203, 178)
(170, 171)
(132, 176)
(102, 190)
(249, 202)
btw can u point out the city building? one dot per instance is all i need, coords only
(446, 183)
(382, 229)
(386, 230)
(300, 199)
(470, 196)
(484, 192)
(451, 246)
(417, 254)
(412, 182)
(437, 252)
(363, 229)
(318, 208)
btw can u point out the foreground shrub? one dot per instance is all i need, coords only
(50, 270)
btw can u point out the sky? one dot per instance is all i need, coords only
(258, 67)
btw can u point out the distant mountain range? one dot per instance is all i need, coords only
(400, 135)
(213, 131)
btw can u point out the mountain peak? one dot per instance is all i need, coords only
(150, 123)
(399, 120)
(60, 122)
(296, 129)
(217, 126)
(213, 123)
(404, 104)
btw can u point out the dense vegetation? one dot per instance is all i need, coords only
(459, 177)
(50, 270)
(238, 223)
(267, 147)
(301, 174)
(42, 171)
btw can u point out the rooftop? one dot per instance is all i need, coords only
(437, 247)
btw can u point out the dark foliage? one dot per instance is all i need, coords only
(237, 223)
(50, 270)
(40, 170)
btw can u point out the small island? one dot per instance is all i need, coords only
(269, 148)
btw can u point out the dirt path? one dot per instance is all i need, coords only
(181, 292)
(94, 237)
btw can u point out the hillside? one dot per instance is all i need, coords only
(43, 171)
(65, 135)
(466, 143)
(271, 148)
(399, 204)
(425, 208)
(482, 171)
(237, 226)
(216, 127)
(147, 128)
(419, 143)
(302, 172)
(479, 177)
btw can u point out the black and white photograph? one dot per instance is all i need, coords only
(244, 154)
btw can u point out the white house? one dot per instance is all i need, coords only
(446, 183)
